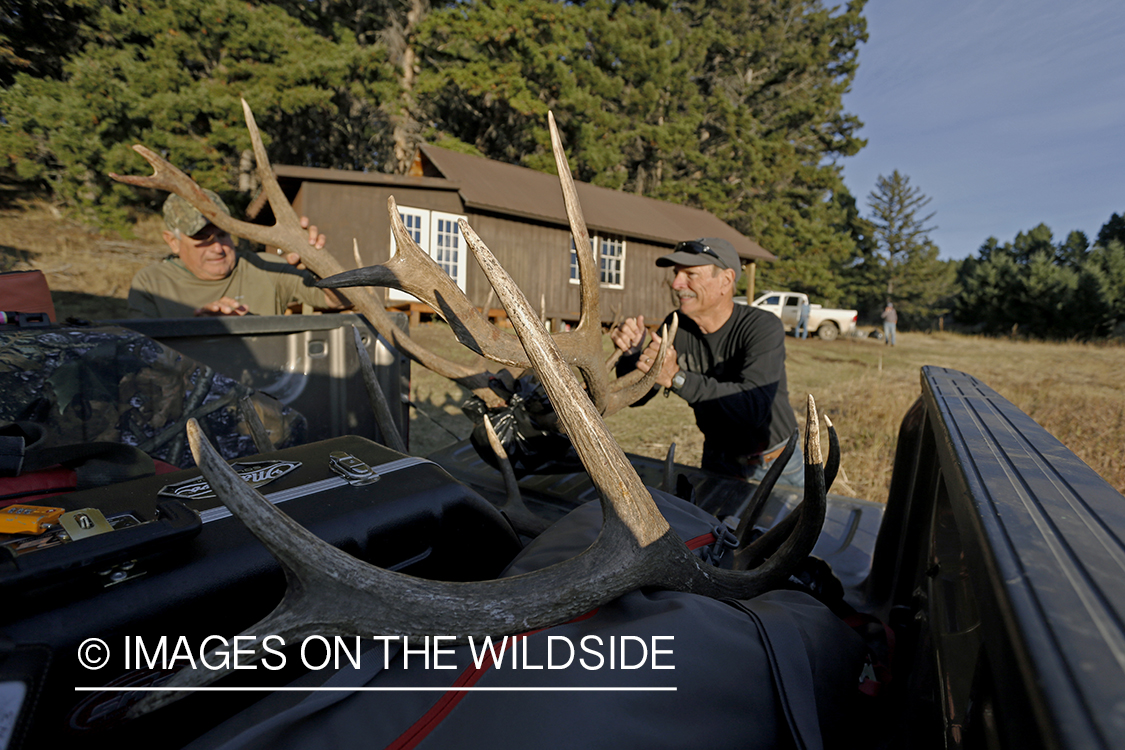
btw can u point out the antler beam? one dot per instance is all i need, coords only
(412, 270)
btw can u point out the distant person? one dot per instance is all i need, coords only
(890, 320)
(204, 275)
(727, 361)
(803, 319)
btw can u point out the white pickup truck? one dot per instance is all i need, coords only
(827, 323)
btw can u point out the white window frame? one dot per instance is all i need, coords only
(424, 224)
(603, 242)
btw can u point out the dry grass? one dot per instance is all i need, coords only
(1074, 390)
(88, 271)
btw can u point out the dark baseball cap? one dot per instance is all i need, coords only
(702, 252)
(179, 214)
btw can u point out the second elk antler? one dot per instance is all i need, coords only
(412, 270)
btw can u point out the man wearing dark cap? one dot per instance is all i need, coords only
(727, 361)
(204, 275)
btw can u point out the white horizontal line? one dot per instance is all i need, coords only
(375, 690)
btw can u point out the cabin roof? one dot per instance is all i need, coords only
(506, 189)
(489, 185)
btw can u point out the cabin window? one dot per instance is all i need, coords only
(611, 260)
(438, 234)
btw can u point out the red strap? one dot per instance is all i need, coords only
(702, 540)
(437, 713)
(429, 720)
(51, 481)
(36, 485)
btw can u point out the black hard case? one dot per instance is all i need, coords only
(222, 582)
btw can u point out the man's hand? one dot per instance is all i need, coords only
(629, 336)
(222, 306)
(316, 239)
(668, 368)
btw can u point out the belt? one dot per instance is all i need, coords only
(761, 458)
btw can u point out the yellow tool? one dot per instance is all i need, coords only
(27, 519)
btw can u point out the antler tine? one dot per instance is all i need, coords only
(257, 429)
(624, 497)
(523, 520)
(590, 309)
(413, 271)
(768, 543)
(629, 388)
(623, 493)
(383, 417)
(287, 234)
(669, 469)
(753, 507)
(832, 465)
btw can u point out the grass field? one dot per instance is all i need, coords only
(1074, 390)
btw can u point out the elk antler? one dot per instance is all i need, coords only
(523, 520)
(288, 235)
(331, 593)
(412, 270)
(392, 438)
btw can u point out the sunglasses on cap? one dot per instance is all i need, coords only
(210, 234)
(695, 247)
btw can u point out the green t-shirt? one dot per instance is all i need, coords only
(265, 285)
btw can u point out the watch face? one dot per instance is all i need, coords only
(678, 380)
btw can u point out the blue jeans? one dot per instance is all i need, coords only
(802, 331)
(888, 333)
(752, 470)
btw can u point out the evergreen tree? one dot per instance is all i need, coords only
(38, 36)
(169, 73)
(729, 106)
(1114, 229)
(1041, 288)
(906, 259)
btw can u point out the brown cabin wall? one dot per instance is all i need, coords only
(536, 255)
(344, 211)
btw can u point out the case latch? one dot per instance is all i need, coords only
(353, 470)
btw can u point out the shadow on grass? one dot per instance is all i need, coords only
(92, 307)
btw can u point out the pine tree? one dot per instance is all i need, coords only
(725, 105)
(169, 74)
(906, 260)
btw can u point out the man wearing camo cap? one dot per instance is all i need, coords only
(205, 275)
(727, 361)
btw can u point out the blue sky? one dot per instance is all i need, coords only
(1007, 113)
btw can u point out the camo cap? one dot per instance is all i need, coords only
(181, 215)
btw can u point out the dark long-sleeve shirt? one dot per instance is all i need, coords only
(734, 380)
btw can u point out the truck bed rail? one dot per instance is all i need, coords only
(1001, 556)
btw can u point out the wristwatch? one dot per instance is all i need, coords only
(678, 381)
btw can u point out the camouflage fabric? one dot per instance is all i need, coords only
(179, 214)
(112, 384)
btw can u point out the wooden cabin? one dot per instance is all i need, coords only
(519, 214)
